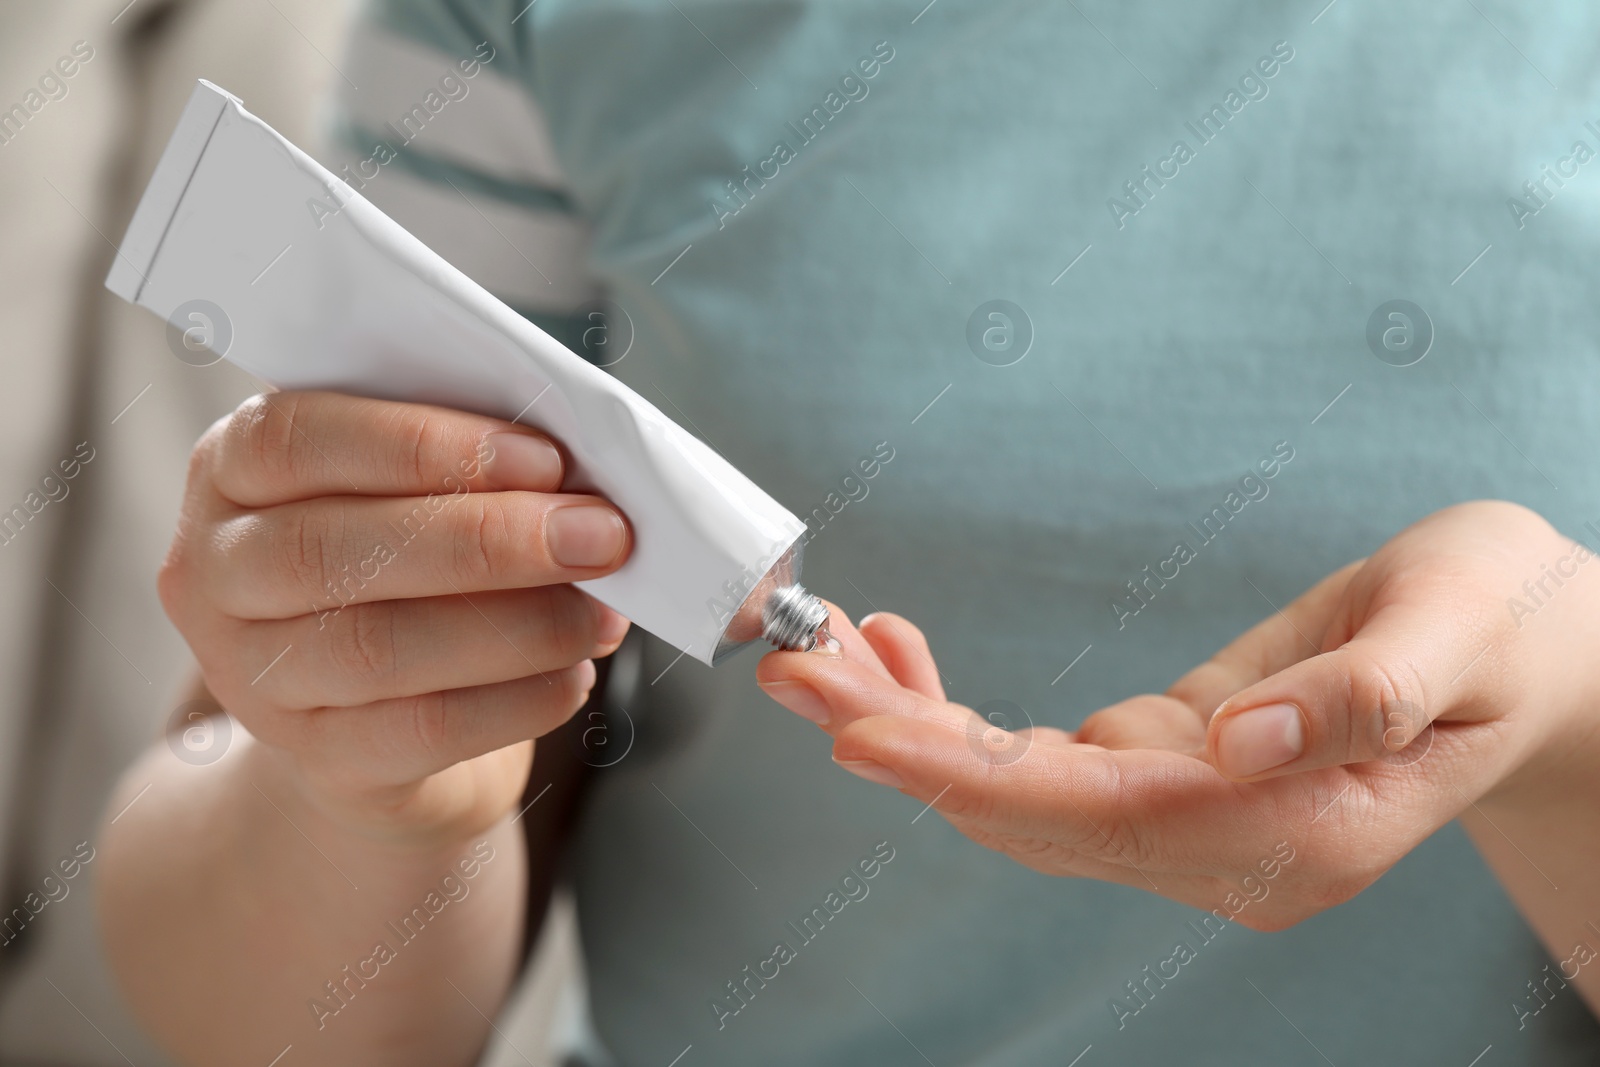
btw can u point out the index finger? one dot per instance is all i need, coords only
(1156, 810)
(287, 447)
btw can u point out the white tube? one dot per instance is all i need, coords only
(352, 302)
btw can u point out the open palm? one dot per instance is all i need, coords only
(1382, 702)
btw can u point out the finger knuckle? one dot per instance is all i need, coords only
(174, 579)
(1117, 840)
(422, 443)
(486, 546)
(975, 806)
(267, 444)
(1036, 852)
(307, 549)
(1106, 835)
(431, 715)
(209, 452)
(364, 649)
(1387, 704)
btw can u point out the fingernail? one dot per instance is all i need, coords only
(584, 536)
(872, 772)
(1259, 740)
(801, 699)
(523, 461)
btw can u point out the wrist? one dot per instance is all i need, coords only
(1558, 771)
(374, 825)
(1555, 733)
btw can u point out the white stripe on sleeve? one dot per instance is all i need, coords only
(494, 126)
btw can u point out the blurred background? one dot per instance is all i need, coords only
(90, 669)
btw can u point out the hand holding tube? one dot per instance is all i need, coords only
(382, 592)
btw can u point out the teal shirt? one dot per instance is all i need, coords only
(1193, 316)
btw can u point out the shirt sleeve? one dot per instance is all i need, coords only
(433, 121)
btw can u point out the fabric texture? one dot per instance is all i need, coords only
(798, 256)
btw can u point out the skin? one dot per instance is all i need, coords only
(1416, 693)
(394, 737)
(388, 730)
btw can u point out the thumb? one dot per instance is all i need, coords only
(1369, 698)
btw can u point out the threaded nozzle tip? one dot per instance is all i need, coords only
(791, 618)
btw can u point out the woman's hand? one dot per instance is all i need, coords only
(1454, 669)
(381, 593)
